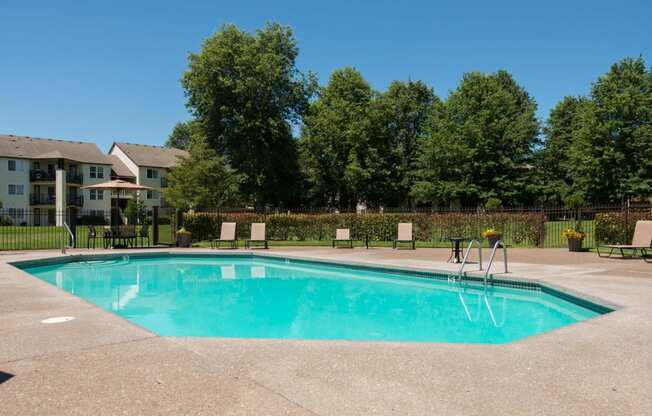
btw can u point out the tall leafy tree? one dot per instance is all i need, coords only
(553, 159)
(479, 144)
(611, 155)
(341, 161)
(182, 134)
(247, 92)
(400, 116)
(203, 180)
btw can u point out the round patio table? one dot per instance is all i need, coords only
(455, 248)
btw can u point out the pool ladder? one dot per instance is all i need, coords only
(69, 235)
(499, 243)
(460, 273)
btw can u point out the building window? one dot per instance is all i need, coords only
(152, 173)
(150, 194)
(17, 215)
(15, 165)
(97, 195)
(16, 189)
(97, 172)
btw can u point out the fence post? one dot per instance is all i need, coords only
(542, 229)
(155, 225)
(73, 224)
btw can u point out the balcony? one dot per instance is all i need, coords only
(75, 200)
(37, 175)
(41, 199)
(74, 178)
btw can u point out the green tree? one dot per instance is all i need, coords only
(203, 180)
(479, 144)
(182, 135)
(135, 211)
(341, 160)
(553, 160)
(400, 116)
(611, 155)
(247, 93)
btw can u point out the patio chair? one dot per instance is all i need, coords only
(92, 235)
(404, 235)
(641, 242)
(108, 235)
(257, 235)
(127, 233)
(342, 235)
(144, 234)
(227, 235)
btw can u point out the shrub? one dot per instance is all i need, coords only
(519, 228)
(92, 220)
(6, 221)
(617, 227)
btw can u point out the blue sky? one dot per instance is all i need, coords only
(110, 70)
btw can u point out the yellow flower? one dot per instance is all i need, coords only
(572, 234)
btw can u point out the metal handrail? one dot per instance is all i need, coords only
(466, 256)
(491, 259)
(72, 238)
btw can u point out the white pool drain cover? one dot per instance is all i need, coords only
(57, 319)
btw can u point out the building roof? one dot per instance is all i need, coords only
(121, 170)
(152, 156)
(23, 147)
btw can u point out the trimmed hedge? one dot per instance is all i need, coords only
(617, 227)
(517, 228)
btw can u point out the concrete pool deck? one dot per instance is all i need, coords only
(102, 364)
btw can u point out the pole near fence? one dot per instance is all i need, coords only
(155, 225)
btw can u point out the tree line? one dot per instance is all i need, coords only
(482, 145)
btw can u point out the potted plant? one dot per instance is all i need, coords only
(183, 237)
(575, 238)
(492, 235)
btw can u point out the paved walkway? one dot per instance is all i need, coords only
(101, 364)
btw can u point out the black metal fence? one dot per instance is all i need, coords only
(24, 229)
(39, 229)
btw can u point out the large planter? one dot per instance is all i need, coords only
(494, 239)
(575, 244)
(184, 240)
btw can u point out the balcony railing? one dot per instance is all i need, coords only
(41, 199)
(77, 178)
(75, 200)
(37, 175)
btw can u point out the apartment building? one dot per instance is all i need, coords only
(148, 166)
(42, 177)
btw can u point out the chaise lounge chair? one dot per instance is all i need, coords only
(641, 242)
(404, 235)
(227, 235)
(342, 235)
(257, 235)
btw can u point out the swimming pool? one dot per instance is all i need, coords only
(257, 296)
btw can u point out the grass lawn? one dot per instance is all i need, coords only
(50, 237)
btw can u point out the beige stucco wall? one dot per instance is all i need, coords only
(18, 178)
(105, 204)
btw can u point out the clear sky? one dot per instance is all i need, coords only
(109, 70)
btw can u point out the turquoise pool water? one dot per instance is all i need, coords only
(262, 297)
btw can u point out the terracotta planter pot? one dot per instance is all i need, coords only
(574, 244)
(183, 240)
(493, 240)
